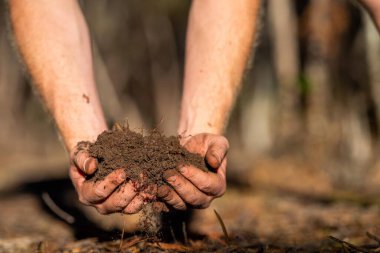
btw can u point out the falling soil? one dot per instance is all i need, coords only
(144, 158)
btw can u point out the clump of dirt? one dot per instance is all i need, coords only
(143, 157)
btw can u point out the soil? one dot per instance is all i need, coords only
(144, 157)
(294, 211)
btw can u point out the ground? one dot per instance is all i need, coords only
(276, 207)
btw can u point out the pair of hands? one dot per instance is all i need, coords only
(189, 186)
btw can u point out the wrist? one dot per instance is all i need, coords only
(72, 141)
(77, 132)
(196, 125)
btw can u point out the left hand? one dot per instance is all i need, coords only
(191, 186)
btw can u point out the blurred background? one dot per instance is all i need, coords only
(311, 90)
(307, 119)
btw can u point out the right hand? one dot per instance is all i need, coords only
(112, 194)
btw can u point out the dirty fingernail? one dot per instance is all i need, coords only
(93, 164)
(90, 165)
(217, 158)
(86, 164)
(183, 169)
(122, 177)
(169, 176)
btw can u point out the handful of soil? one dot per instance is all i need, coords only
(143, 157)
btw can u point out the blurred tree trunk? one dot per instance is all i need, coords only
(339, 134)
(117, 28)
(164, 69)
(113, 107)
(316, 25)
(13, 89)
(372, 40)
(282, 21)
(136, 52)
(256, 100)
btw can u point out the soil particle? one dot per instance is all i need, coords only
(86, 98)
(143, 157)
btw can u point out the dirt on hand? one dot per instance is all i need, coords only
(143, 157)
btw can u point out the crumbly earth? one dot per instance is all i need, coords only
(287, 208)
(143, 157)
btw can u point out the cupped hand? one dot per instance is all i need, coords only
(114, 193)
(191, 186)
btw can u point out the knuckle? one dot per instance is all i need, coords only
(207, 186)
(221, 191)
(120, 204)
(102, 210)
(165, 193)
(158, 206)
(180, 206)
(205, 205)
(192, 200)
(189, 173)
(115, 180)
(83, 200)
(130, 210)
(100, 193)
(225, 141)
(169, 197)
(178, 184)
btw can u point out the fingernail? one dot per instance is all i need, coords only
(168, 175)
(122, 177)
(86, 164)
(217, 158)
(182, 169)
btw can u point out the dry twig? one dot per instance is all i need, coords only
(56, 209)
(223, 226)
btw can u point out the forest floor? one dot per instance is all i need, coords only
(278, 208)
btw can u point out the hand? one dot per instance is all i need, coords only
(112, 194)
(191, 186)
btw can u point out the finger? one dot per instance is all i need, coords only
(169, 196)
(186, 190)
(149, 194)
(217, 151)
(85, 162)
(77, 177)
(119, 199)
(135, 205)
(93, 192)
(159, 207)
(197, 144)
(208, 182)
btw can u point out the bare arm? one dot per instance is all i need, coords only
(53, 40)
(219, 40)
(373, 7)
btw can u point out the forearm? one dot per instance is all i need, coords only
(53, 41)
(219, 40)
(373, 8)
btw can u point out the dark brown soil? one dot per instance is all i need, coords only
(143, 157)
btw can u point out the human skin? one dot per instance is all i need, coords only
(56, 51)
(53, 41)
(219, 40)
(373, 8)
(57, 54)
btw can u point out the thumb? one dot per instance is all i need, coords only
(217, 151)
(85, 162)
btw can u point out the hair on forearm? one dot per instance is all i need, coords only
(257, 35)
(255, 43)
